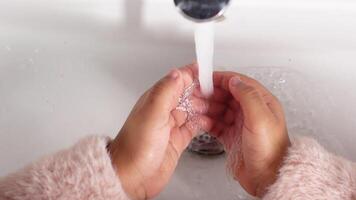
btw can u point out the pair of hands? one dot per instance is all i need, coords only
(149, 145)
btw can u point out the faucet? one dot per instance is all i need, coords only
(202, 10)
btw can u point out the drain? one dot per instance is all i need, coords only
(206, 145)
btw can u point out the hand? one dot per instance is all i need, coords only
(146, 151)
(250, 122)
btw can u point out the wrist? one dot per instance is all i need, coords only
(271, 174)
(133, 188)
(262, 186)
(128, 177)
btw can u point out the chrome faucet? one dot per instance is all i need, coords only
(202, 10)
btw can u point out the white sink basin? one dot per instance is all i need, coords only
(69, 68)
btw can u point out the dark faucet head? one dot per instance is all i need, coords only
(202, 10)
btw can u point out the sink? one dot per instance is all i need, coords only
(70, 68)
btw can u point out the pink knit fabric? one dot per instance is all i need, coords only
(85, 172)
(81, 172)
(310, 172)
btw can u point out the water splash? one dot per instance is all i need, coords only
(184, 102)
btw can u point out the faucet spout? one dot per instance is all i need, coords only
(202, 10)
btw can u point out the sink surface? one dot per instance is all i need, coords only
(69, 68)
(202, 177)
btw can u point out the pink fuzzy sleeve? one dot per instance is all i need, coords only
(82, 172)
(310, 172)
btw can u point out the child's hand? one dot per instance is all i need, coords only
(147, 150)
(245, 112)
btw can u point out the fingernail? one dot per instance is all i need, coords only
(173, 74)
(235, 81)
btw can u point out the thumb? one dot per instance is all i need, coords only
(164, 95)
(254, 108)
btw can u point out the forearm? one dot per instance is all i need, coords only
(310, 172)
(83, 171)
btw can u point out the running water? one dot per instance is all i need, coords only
(204, 45)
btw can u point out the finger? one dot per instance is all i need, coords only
(204, 106)
(189, 74)
(219, 95)
(181, 136)
(217, 128)
(252, 104)
(276, 107)
(196, 125)
(197, 106)
(233, 104)
(222, 80)
(192, 68)
(229, 117)
(164, 95)
(179, 117)
(216, 109)
(192, 75)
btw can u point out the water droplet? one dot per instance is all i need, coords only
(300, 99)
(281, 81)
